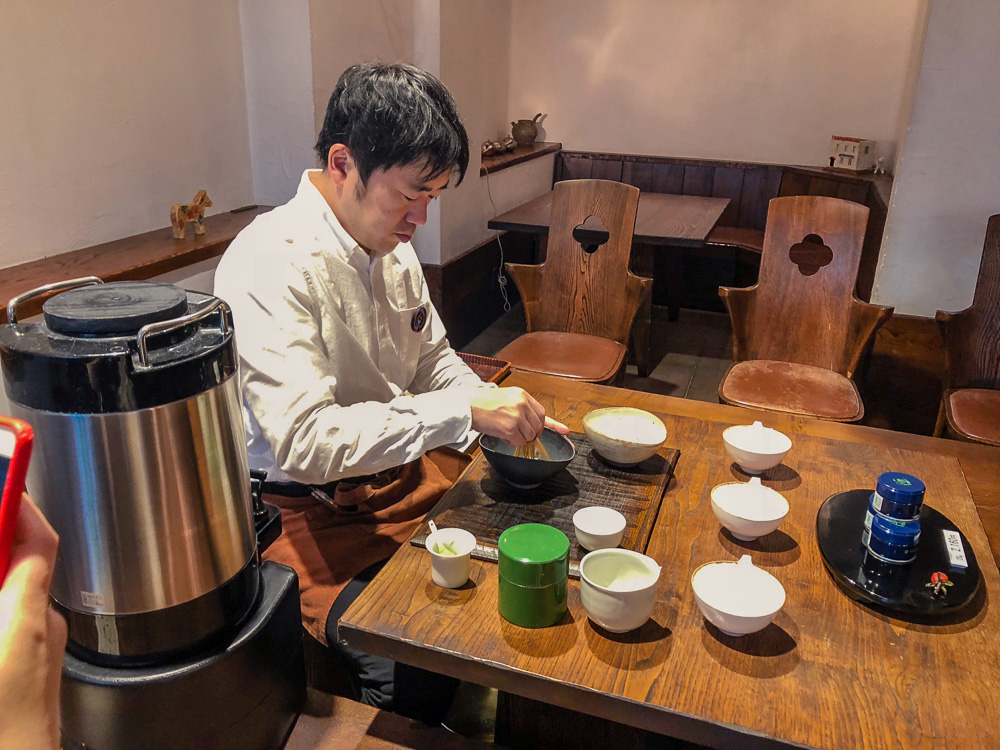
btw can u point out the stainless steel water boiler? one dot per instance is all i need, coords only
(139, 463)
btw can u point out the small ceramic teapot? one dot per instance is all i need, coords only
(525, 131)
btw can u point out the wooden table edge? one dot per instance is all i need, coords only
(658, 720)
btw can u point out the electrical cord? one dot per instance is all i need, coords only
(501, 276)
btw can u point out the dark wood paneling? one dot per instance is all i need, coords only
(575, 167)
(698, 180)
(793, 183)
(760, 185)
(466, 289)
(638, 174)
(853, 191)
(728, 183)
(606, 169)
(823, 186)
(668, 178)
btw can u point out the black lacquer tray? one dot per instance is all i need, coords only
(839, 526)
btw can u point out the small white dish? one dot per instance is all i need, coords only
(749, 510)
(754, 447)
(618, 588)
(598, 527)
(737, 597)
(624, 436)
(451, 571)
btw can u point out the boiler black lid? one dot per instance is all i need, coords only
(120, 308)
(84, 356)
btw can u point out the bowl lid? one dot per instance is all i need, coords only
(756, 438)
(751, 501)
(738, 588)
(900, 487)
(533, 554)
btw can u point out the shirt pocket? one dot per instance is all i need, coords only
(407, 326)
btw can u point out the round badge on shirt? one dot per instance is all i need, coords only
(419, 320)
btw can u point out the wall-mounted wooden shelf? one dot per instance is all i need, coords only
(521, 154)
(135, 258)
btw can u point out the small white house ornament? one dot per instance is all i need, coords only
(855, 154)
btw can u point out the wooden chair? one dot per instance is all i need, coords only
(970, 406)
(799, 333)
(580, 303)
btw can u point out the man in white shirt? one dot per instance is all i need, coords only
(345, 368)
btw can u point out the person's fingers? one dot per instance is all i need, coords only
(535, 422)
(557, 426)
(33, 536)
(527, 431)
(57, 634)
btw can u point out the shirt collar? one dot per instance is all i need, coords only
(312, 203)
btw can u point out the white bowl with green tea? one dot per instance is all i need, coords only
(451, 556)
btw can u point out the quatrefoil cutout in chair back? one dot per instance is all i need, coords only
(591, 234)
(810, 255)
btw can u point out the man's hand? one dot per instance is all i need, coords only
(510, 414)
(32, 638)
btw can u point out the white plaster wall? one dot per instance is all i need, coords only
(475, 65)
(277, 59)
(112, 112)
(948, 183)
(768, 80)
(347, 32)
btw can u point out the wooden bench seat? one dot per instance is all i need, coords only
(743, 238)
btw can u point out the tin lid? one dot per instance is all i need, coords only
(894, 531)
(533, 554)
(900, 488)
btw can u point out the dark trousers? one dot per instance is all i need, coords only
(383, 683)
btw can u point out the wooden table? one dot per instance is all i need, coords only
(662, 220)
(829, 672)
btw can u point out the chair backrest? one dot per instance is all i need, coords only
(972, 337)
(804, 298)
(587, 287)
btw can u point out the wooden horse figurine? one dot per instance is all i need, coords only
(194, 212)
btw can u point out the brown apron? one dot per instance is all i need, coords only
(327, 546)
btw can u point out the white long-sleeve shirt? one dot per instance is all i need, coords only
(330, 352)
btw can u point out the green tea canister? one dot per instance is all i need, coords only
(534, 568)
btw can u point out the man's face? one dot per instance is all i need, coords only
(387, 210)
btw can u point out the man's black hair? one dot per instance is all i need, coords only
(394, 116)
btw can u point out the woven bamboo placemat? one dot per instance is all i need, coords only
(485, 505)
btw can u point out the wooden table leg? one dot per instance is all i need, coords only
(642, 264)
(673, 263)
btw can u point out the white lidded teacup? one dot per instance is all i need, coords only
(754, 447)
(737, 597)
(749, 510)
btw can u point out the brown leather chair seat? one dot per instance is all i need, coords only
(974, 413)
(790, 387)
(580, 356)
(741, 237)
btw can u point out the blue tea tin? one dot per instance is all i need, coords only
(892, 541)
(898, 495)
